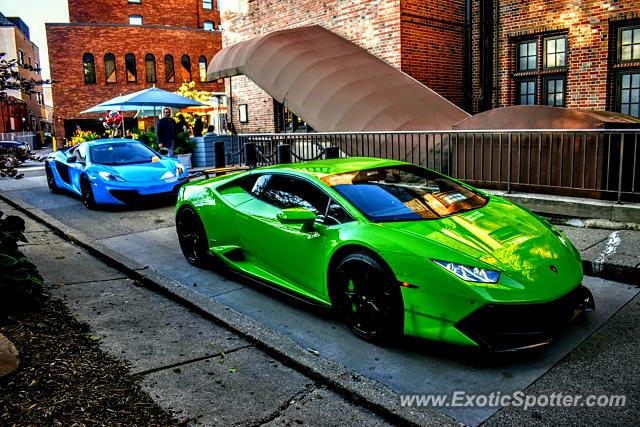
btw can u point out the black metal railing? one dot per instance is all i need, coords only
(587, 163)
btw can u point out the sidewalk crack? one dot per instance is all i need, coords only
(286, 405)
(186, 362)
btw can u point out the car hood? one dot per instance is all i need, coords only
(142, 171)
(500, 234)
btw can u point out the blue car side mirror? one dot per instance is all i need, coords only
(72, 159)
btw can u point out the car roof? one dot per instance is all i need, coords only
(322, 168)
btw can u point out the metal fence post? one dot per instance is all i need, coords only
(250, 154)
(509, 166)
(284, 153)
(620, 169)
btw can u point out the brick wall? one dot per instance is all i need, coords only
(68, 43)
(423, 38)
(182, 13)
(587, 25)
(374, 25)
(432, 45)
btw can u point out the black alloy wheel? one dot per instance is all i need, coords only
(51, 181)
(87, 193)
(367, 298)
(192, 237)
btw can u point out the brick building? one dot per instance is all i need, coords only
(479, 54)
(114, 47)
(578, 54)
(423, 38)
(26, 112)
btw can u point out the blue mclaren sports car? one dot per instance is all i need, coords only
(113, 172)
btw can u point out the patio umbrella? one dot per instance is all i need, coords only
(152, 97)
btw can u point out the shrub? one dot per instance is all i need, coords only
(21, 286)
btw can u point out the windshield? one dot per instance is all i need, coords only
(121, 153)
(404, 193)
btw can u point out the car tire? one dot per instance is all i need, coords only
(87, 193)
(192, 237)
(367, 297)
(51, 181)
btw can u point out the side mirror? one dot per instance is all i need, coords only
(72, 159)
(301, 216)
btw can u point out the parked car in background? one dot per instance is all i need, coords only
(114, 172)
(394, 248)
(16, 144)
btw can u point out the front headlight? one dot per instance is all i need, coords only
(110, 176)
(179, 169)
(468, 273)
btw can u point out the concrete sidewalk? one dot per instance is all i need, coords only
(189, 364)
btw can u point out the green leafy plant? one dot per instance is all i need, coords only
(21, 286)
(11, 159)
(149, 138)
(184, 144)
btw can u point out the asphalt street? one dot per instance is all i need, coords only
(411, 367)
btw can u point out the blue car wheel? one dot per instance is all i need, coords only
(51, 180)
(87, 193)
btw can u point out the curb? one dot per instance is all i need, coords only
(359, 389)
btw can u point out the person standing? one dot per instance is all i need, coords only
(165, 131)
(197, 126)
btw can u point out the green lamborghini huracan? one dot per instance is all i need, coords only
(394, 248)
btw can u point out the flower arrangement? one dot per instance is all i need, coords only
(82, 136)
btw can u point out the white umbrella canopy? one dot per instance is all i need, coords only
(152, 97)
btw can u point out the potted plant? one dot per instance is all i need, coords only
(184, 147)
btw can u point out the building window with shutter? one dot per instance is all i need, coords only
(89, 66)
(540, 75)
(110, 68)
(207, 4)
(150, 68)
(209, 26)
(130, 65)
(135, 20)
(169, 70)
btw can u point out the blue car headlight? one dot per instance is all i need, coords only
(468, 273)
(108, 176)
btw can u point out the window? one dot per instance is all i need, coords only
(186, 68)
(89, 68)
(135, 20)
(555, 52)
(202, 68)
(527, 55)
(20, 57)
(150, 68)
(627, 72)
(541, 66)
(135, 1)
(130, 64)
(209, 26)
(207, 4)
(554, 92)
(526, 92)
(629, 44)
(169, 71)
(110, 68)
(38, 68)
(243, 113)
(630, 93)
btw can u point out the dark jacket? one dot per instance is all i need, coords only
(165, 131)
(198, 127)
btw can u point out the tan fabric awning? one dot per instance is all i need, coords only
(545, 117)
(333, 84)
